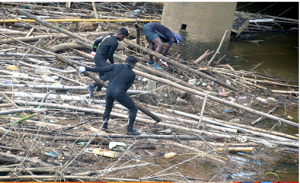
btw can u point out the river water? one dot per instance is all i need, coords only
(279, 55)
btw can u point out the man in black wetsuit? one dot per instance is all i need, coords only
(157, 35)
(105, 51)
(120, 81)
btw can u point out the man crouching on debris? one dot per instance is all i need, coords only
(120, 81)
(106, 51)
(157, 35)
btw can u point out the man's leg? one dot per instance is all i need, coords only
(99, 63)
(159, 47)
(109, 100)
(127, 102)
(151, 47)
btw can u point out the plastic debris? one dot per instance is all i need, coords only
(170, 155)
(117, 146)
(106, 153)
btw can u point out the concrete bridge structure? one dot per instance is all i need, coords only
(201, 25)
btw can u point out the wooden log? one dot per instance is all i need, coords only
(218, 50)
(32, 169)
(109, 170)
(198, 151)
(48, 36)
(64, 46)
(28, 55)
(71, 177)
(202, 110)
(16, 158)
(261, 118)
(43, 22)
(180, 65)
(143, 136)
(6, 105)
(203, 56)
(236, 149)
(11, 111)
(95, 140)
(285, 92)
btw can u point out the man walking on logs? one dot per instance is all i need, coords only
(106, 51)
(157, 35)
(120, 81)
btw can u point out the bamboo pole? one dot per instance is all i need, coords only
(78, 20)
(218, 50)
(48, 36)
(180, 65)
(197, 150)
(62, 138)
(203, 56)
(28, 55)
(202, 110)
(16, 158)
(261, 118)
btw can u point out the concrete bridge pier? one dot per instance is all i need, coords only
(201, 25)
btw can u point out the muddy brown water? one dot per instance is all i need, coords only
(279, 55)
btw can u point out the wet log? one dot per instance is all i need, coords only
(198, 151)
(33, 169)
(71, 177)
(111, 170)
(15, 158)
(64, 46)
(236, 149)
(180, 65)
(285, 92)
(95, 140)
(218, 50)
(261, 118)
(50, 36)
(43, 22)
(204, 56)
(28, 55)
(143, 136)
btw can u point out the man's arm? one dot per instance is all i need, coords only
(166, 49)
(100, 69)
(96, 43)
(128, 85)
(111, 52)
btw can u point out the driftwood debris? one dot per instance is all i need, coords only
(202, 111)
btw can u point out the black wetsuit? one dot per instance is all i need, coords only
(98, 41)
(120, 81)
(105, 51)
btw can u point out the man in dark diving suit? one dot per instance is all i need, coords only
(121, 79)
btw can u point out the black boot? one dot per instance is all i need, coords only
(104, 127)
(90, 89)
(131, 131)
(99, 88)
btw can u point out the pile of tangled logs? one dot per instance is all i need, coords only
(50, 126)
